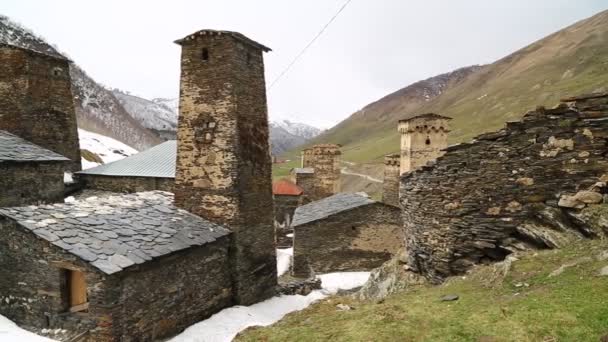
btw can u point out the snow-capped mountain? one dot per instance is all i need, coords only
(298, 129)
(158, 115)
(97, 109)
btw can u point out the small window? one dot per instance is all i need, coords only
(205, 55)
(428, 141)
(208, 137)
(248, 58)
(57, 72)
(76, 291)
(211, 124)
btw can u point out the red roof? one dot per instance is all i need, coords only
(285, 187)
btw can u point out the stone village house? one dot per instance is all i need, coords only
(344, 232)
(141, 266)
(29, 173)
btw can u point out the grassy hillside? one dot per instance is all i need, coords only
(571, 61)
(528, 304)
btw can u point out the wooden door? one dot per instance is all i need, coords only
(78, 288)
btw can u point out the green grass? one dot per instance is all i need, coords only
(282, 170)
(569, 307)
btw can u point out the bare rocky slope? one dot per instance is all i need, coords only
(481, 99)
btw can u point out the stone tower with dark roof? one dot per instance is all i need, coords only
(223, 157)
(36, 101)
(423, 138)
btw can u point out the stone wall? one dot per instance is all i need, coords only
(166, 296)
(306, 181)
(356, 240)
(223, 155)
(284, 207)
(126, 184)
(36, 101)
(507, 191)
(153, 300)
(390, 184)
(423, 138)
(31, 183)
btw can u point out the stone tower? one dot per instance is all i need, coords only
(390, 185)
(36, 101)
(423, 138)
(307, 157)
(325, 160)
(223, 159)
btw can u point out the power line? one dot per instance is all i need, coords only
(309, 45)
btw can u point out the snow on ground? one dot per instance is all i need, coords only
(283, 260)
(226, 324)
(9, 331)
(107, 149)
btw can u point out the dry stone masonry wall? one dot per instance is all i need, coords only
(518, 188)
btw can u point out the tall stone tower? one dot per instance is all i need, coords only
(36, 101)
(390, 185)
(423, 138)
(307, 157)
(325, 160)
(223, 159)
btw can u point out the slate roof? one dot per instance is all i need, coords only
(429, 116)
(158, 161)
(308, 170)
(328, 206)
(15, 149)
(113, 232)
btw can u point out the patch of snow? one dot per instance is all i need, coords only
(333, 282)
(9, 331)
(290, 235)
(226, 324)
(482, 96)
(283, 260)
(68, 177)
(107, 149)
(69, 199)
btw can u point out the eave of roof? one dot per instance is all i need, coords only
(238, 36)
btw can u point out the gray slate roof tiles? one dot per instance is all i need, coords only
(158, 162)
(304, 170)
(328, 206)
(113, 232)
(15, 149)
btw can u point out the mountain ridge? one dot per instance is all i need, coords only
(569, 61)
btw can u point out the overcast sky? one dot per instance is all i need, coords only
(371, 49)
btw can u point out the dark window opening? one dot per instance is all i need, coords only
(428, 141)
(205, 54)
(248, 58)
(353, 228)
(57, 72)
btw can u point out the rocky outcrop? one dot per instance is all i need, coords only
(393, 276)
(538, 183)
